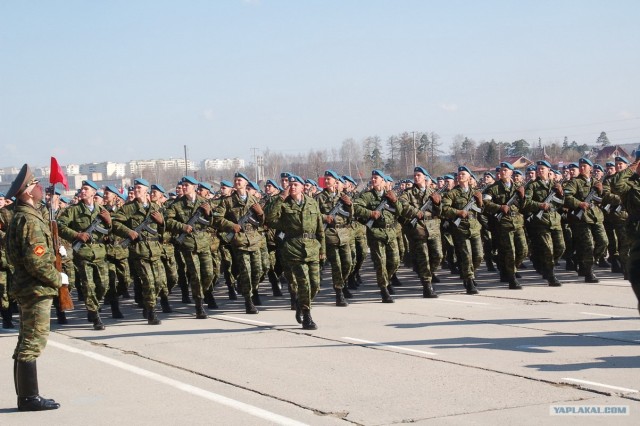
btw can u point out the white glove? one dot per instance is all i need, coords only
(65, 278)
(62, 251)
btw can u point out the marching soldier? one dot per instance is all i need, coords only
(168, 257)
(358, 239)
(616, 218)
(117, 257)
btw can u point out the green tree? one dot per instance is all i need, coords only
(519, 147)
(603, 140)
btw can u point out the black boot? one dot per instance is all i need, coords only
(470, 286)
(490, 266)
(503, 277)
(249, 306)
(427, 290)
(390, 289)
(616, 265)
(115, 309)
(358, 278)
(152, 319)
(200, 313)
(552, 279)
(164, 303)
(590, 276)
(298, 310)
(275, 284)
(94, 317)
(569, 266)
(347, 293)
(61, 317)
(210, 300)
(307, 321)
(514, 284)
(395, 281)
(27, 387)
(185, 294)
(386, 297)
(294, 301)
(232, 292)
(80, 293)
(352, 284)
(7, 321)
(435, 279)
(255, 298)
(340, 300)
(603, 263)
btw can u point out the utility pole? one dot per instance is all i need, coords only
(186, 162)
(415, 151)
(255, 162)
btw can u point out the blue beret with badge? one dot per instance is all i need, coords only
(531, 169)
(206, 186)
(140, 181)
(621, 159)
(286, 175)
(159, 188)
(348, 178)
(448, 177)
(112, 189)
(269, 182)
(64, 199)
(311, 182)
(378, 172)
(573, 166)
(253, 185)
(331, 173)
(517, 172)
(90, 184)
(490, 174)
(226, 183)
(507, 165)
(609, 164)
(421, 169)
(99, 194)
(190, 180)
(440, 178)
(543, 163)
(598, 167)
(242, 175)
(295, 178)
(464, 169)
(585, 161)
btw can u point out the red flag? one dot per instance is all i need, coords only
(56, 175)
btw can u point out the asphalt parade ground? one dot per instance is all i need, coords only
(541, 355)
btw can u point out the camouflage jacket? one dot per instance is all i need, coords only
(535, 193)
(338, 232)
(230, 210)
(176, 217)
(628, 188)
(147, 246)
(575, 191)
(412, 200)
(112, 241)
(384, 227)
(30, 251)
(302, 227)
(454, 200)
(75, 219)
(616, 213)
(499, 195)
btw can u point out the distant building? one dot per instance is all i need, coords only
(107, 168)
(608, 153)
(518, 162)
(136, 167)
(222, 164)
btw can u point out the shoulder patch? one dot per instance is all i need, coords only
(39, 250)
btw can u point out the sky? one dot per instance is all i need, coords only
(92, 81)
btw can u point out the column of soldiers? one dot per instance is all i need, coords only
(190, 238)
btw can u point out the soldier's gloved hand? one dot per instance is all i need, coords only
(257, 209)
(285, 193)
(559, 190)
(64, 278)
(105, 216)
(462, 213)
(83, 236)
(375, 214)
(206, 208)
(345, 199)
(420, 215)
(157, 218)
(584, 206)
(478, 196)
(598, 187)
(187, 228)
(504, 209)
(133, 235)
(391, 196)
(63, 251)
(520, 191)
(328, 219)
(436, 198)
(545, 206)
(237, 228)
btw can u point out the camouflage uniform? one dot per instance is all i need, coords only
(615, 222)
(6, 269)
(118, 259)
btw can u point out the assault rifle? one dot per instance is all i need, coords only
(196, 218)
(510, 202)
(247, 218)
(93, 227)
(338, 209)
(607, 208)
(551, 198)
(428, 206)
(471, 205)
(384, 205)
(144, 226)
(591, 197)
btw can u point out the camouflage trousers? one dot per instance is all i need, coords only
(94, 280)
(226, 264)
(385, 257)
(199, 266)
(249, 265)
(181, 268)
(633, 263)
(427, 255)
(4, 289)
(590, 242)
(469, 252)
(287, 270)
(153, 280)
(621, 241)
(119, 278)
(512, 249)
(567, 235)
(340, 258)
(265, 260)
(547, 247)
(215, 260)
(35, 314)
(168, 259)
(358, 250)
(306, 281)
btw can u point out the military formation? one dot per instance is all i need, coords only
(149, 242)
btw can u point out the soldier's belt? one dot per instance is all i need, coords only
(305, 235)
(387, 226)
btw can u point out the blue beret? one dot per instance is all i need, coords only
(517, 172)
(100, 194)
(311, 182)
(507, 165)
(558, 172)
(621, 159)
(388, 178)
(190, 180)
(295, 178)
(464, 169)
(421, 170)
(350, 179)
(331, 173)
(254, 186)
(610, 164)
(206, 186)
(1, 194)
(57, 191)
(226, 183)
(598, 167)
(142, 182)
(285, 175)
(90, 183)
(543, 163)
(64, 199)
(489, 174)
(112, 189)
(497, 169)
(172, 194)
(474, 177)
(272, 183)
(573, 166)
(440, 178)
(158, 187)
(448, 177)
(585, 161)
(242, 175)
(531, 169)
(377, 172)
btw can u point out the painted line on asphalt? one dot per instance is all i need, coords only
(600, 315)
(211, 396)
(369, 342)
(461, 301)
(602, 385)
(242, 320)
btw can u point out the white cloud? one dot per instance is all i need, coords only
(449, 107)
